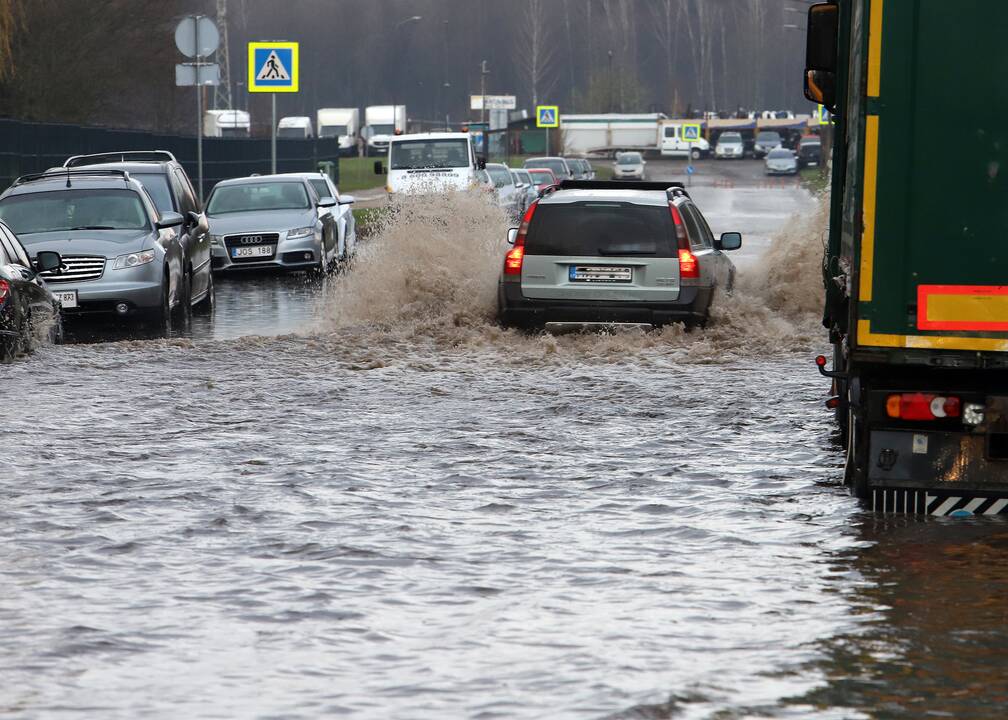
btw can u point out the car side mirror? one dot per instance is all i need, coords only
(729, 241)
(170, 220)
(512, 236)
(379, 168)
(481, 163)
(821, 44)
(327, 202)
(47, 261)
(347, 200)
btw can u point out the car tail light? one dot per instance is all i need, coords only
(4, 290)
(922, 406)
(688, 265)
(516, 255)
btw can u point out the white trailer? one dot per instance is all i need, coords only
(226, 123)
(296, 127)
(340, 123)
(608, 133)
(381, 122)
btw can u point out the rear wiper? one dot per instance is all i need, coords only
(93, 227)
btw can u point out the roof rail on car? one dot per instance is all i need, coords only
(69, 173)
(120, 156)
(671, 189)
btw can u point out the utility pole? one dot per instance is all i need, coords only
(222, 92)
(486, 129)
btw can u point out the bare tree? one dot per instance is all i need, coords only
(534, 53)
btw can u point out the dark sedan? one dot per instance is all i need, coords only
(26, 304)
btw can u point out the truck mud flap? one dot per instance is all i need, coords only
(907, 501)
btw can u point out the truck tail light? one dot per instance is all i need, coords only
(516, 255)
(688, 265)
(922, 406)
(4, 290)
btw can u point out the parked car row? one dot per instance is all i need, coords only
(123, 235)
(515, 189)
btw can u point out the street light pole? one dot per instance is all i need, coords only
(395, 29)
(483, 73)
(610, 83)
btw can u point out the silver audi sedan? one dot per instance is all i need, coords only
(271, 222)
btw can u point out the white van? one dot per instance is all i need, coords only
(673, 144)
(297, 128)
(342, 124)
(226, 123)
(427, 163)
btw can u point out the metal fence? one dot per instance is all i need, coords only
(28, 147)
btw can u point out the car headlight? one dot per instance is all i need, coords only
(300, 233)
(217, 240)
(125, 262)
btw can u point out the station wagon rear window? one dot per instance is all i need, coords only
(601, 229)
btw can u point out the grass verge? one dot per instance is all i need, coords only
(357, 173)
(815, 179)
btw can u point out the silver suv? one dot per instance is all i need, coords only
(120, 255)
(593, 252)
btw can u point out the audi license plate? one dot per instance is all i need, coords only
(66, 298)
(601, 274)
(252, 251)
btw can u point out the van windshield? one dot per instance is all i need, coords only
(382, 130)
(292, 132)
(63, 210)
(416, 154)
(730, 138)
(601, 229)
(328, 131)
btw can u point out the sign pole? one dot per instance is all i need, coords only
(274, 136)
(199, 112)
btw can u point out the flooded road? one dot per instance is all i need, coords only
(363, 499)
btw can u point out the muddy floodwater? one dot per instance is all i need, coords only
(363, 499)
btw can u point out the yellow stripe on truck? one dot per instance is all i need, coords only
(875, 49)
(867, 338)
(870, 186)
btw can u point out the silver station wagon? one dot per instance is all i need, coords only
(611, 252)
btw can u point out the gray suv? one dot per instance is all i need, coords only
(594, 252)
(120, 256)
(169, 186)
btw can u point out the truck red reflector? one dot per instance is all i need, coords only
(963, 307)
(922, 406)
(4, 289)
(688, 265)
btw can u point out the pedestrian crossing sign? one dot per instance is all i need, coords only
(691, 132)
(547, 116)
(273, 67)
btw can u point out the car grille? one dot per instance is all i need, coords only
(77, 269)
(251, 240)
(247, 239)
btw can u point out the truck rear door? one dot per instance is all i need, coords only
(933, 266)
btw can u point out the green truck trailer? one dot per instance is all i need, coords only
(916, 265)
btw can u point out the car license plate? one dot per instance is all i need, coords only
(66, 298)
(601, 273)
(252, 251)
